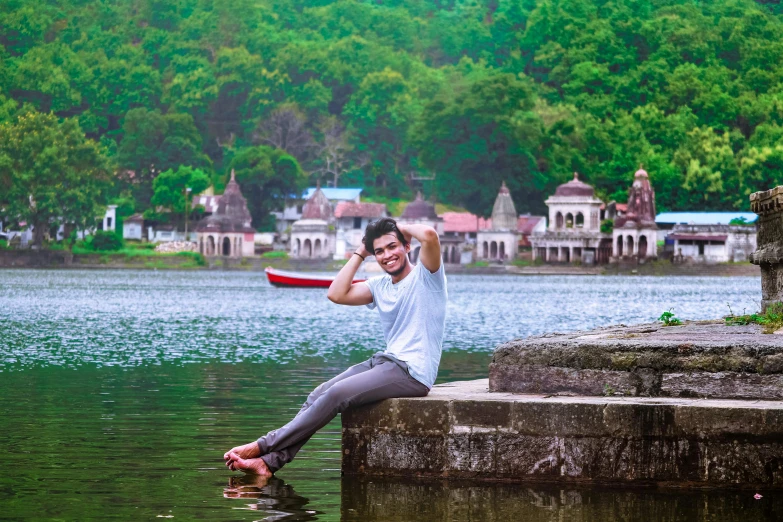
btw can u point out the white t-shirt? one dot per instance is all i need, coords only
(413, 317)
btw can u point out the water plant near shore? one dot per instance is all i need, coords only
(771, 320)
(669, 318)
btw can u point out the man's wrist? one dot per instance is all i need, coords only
(358, 254)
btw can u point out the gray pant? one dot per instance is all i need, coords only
(380, 377)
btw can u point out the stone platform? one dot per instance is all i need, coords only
(697, 359)
(462, 430)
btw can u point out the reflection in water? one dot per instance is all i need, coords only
(398, 500)
(276, 499)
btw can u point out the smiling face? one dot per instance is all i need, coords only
(391, 253)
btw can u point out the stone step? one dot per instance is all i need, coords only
(463, 430)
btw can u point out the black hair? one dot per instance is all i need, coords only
(379, 228)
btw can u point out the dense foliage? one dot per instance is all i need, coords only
(387, 93)
(50, 174)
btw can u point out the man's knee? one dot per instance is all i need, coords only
(338, 397)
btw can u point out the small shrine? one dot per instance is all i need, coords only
(313, 236)
(500, 242)
(227, 231)
(635, 234)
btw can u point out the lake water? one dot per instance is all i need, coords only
(120, 391)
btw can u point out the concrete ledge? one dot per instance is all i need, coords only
(462, 430)
(697, 359)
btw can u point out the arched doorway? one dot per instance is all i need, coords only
(619, 246)
(317, 248)
(210, 246)
(580, 220)
(559, 220)
(297, 247)
(307, 249)
(226, 246)
(569, 220)
(493, 250)
(630, 246)
(642, 247)
(485, 250)
(415, 254)
(454, 255)
(201, 246)
(502, 250)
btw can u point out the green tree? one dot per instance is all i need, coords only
(170, 190)
(57, 176)
(482, 137)
(382, 112)
(152, 143)
(267, 177)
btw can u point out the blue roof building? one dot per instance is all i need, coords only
(335, 194)
(669, 219)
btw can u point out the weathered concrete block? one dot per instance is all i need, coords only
(488, 414)
(542, 418)
(729, 385)
(697, 359)
(470, 451)
(471, 432)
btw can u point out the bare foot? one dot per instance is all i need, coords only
(250, 466)
(248, 451)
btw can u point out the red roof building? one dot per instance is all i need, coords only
(349, 209)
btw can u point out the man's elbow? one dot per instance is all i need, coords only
(430, 235)
(334, 297)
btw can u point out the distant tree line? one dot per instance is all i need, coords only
(383, 93)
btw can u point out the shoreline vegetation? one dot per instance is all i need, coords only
(143, 256)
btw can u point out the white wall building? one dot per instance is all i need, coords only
(712, 243)
(574, 233)
(313, 236)
(133, 227)
(292, 211)
(351, 219)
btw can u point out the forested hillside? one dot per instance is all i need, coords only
(383, 93)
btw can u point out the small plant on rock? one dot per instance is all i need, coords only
(668, 318)
(771, 320)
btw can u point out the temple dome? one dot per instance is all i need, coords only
(318, 206)
(641, 202)
(231, 215)
(504, 213)
(575, 188)
(419, 209)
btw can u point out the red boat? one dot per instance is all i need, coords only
(284, 278)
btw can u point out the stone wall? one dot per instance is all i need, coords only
(461, 430)
(34, 258)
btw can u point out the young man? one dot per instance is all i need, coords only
(411, 302)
